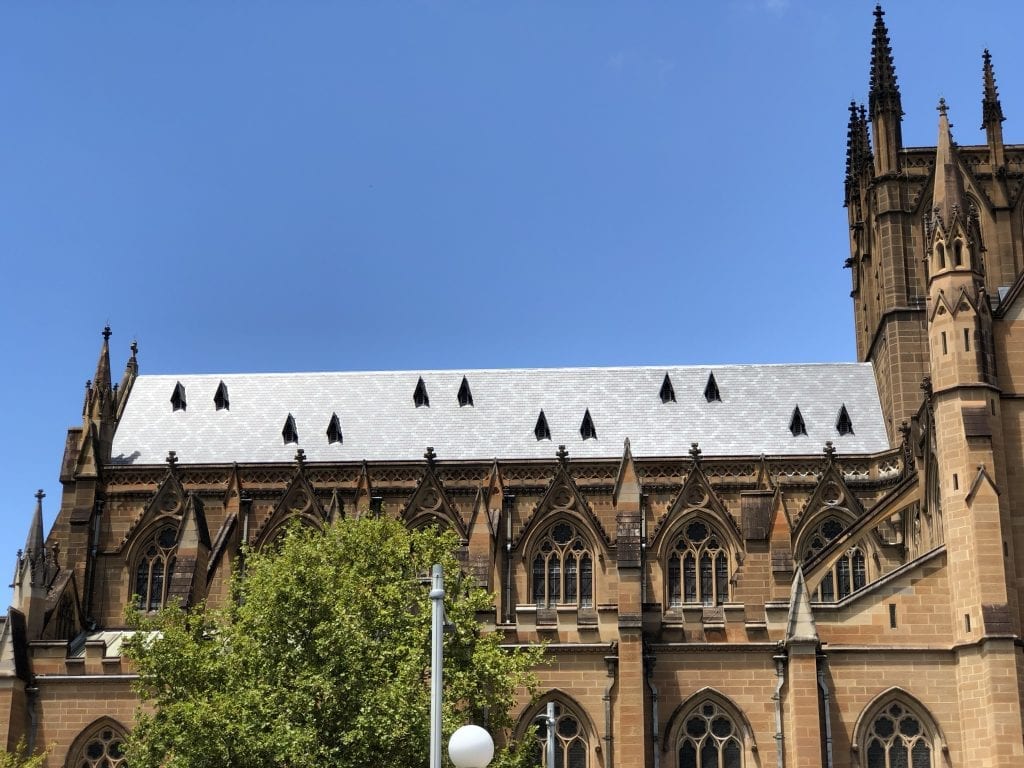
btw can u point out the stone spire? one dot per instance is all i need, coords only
(992, 112)
(948, 195)
(884, 103)
(101, 381)
(34, 542)
(858, 153)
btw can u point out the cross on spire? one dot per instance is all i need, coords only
(172, 459)
(562, 455)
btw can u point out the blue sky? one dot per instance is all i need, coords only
(275, 186)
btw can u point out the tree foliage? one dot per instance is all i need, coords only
(323, 659)
(20, 758)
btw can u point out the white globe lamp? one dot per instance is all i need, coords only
(471, 747)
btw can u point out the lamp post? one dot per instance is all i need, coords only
(471, 747)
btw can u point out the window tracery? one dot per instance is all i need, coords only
(698, 567)
(563, 568)
(102, 748)
(898, 738)
(848, 574)
(571, 747)
(709, 738)
(154, 568)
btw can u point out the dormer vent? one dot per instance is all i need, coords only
(420, 395)
(334, 430)
(844, 426)
(178, 397)
(465, 395)
(587, 431)
(220, 398)
(711, 393)
(541, 430)
(667, 393)
(290, 433)
(796, 423)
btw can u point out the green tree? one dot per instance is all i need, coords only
(322, 659)
(20, 758)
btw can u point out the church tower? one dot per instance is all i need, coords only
(888, 286)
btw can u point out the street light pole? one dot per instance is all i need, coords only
(436, 662)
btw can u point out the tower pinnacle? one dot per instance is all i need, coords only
(884, 103)
(992, 112)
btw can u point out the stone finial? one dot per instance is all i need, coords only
(942, 108)
(696, 455)
(106, 332)
(830, 452)
(430, 456)
(563, 456)
(172, 459)
(300, 457)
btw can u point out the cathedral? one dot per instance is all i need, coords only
(741, 566)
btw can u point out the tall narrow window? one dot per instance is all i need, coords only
(958, 253)
(154, 568)
(698, 567)
(967, 340)
(709, 739)
(563, 569)
(940, 255)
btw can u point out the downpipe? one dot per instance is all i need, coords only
(780, 738)
(826, 699)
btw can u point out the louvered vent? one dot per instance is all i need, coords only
(178, 397)
(844, 426)
(220, 398)
(711, 393)
(541, 430)
(796, 423)
(667, 392)
(420, 395)
(290, 433)
(465, 395)
(587, 431)
(334, 430)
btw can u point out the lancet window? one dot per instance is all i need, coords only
(153, 569)
(698, 567)
(848, 574)
(563, 568)
(102, 748)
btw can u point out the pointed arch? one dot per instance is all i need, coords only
(576, 737)
(300, 502)
(896, 722)
(150, 559)
(430, 504)
(99, 745)
(560, 564)
(709, 705)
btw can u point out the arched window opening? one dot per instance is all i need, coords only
(571, 748)
(154, 569)
(563, 569)
(958, 253)
(698, 567)
(104, 748)
(709, 739)
(940, 255)
(898, 738)
(848, 574)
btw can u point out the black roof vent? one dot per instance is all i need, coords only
(334, 430)
(711, 393)
(420, 395)
(667, 392)
(587, 431)
(465, 396)
(178, 397)
(220, 398)
(541, 430)
(796, 423)
(844, 426)
(290, 433)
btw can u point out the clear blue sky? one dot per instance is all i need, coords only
(268, 186)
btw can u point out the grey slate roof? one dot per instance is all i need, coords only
(380, 422)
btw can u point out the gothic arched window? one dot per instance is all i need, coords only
(153, 569)
(698, 567)
(848, 574)
(100, 747)
(709, 738)
(898, 738)
(571, 748)
(563, 569)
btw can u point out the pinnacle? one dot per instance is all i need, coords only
(991, 108)
(884, 92)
